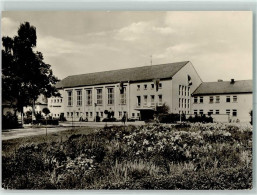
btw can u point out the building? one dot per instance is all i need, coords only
(226, 101)
(134, 92)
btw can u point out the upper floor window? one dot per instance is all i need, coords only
(228, 99)
(138, 87)
(179, 102)
(201, 112)
(234, 98)
(145, 100)
(195, 112)
(110, 96)
(210, 112)
(179, 89)
(182, 89)
(99, 96)
(217, 111)
(89, 97)
(217, 99)
(138, 100)
(201, 99)
(160, 99)
(185, 91)
(145, 87)
(152, 100)
(79, 98)
(211, 99)
(188, 103)
(188, 91)
(152, 86)
(228, 111)
(160, 85)
(70, 98)
(195, 99)
(123, 97)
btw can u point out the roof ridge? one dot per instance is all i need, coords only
(126, 68)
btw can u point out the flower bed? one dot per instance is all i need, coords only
(200, 156)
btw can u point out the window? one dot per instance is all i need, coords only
(211, 99)
(188, 103)
(152, 86)
(185, 91)
(210, 112)
(234, 98)
(71, 114)
(201, 99)
(77, 114)
(110, 96)
(160, 85)
(133, 115)
(138, 87)
(60, 100)
(123, 97)
(217, 111)
(89, 97)
(145, 100)
(228, 111)
(138, 100)
(145, 87)
(138, 114)
(91, 114)
(57, 100)
(185, 103)
(188, 91)
(182, 90)
(160, 99)
(201, 112)
(234, 113)
(228, 99)
(79, 98)
(182, 102)
(102, 114)
(152, 100)
(179, 90)
(99, 96)
(195, 112)
(54, 100)
(120, 114)
(97, 113)
(68, 114)
(70, 98)
(179, 102)
(217, 99)
(87, 114)
(195, 100)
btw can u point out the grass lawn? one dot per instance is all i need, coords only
(199, 156)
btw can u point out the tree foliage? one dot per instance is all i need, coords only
(24, 73)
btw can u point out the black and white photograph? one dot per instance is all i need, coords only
(127, 100)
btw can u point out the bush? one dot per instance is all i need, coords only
(10, 121)
(109, 120)
(202, 119)
(46, 122)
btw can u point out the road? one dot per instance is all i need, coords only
(63, 126)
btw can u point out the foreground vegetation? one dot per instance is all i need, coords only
(200, 156)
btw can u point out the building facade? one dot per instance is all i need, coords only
(136, 92)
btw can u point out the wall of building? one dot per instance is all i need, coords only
(56, 105)
(181, 79)
(243, 105)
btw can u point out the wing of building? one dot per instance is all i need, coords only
(224, 100)
(136, 92)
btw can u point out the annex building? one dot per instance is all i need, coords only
(136, 92)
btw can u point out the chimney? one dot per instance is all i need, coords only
(220, 80)
(232, 81)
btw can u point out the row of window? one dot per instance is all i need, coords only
(228, 111)
(152, 86)
(184, 90)
(215, 99)
(145, 100)
(56, 100)
(99, 97)
(184, 103)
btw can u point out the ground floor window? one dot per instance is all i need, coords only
(234, 113)
(201, 112)
(228, 111)
(217, 111)
(195, 112)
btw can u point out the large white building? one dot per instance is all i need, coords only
(134, 92)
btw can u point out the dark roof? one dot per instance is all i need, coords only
(224, 87)
(144, 73)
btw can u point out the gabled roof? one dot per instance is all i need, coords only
(224, 87)
(144, 73)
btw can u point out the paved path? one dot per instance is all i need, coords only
(63, 126)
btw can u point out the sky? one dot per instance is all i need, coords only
(219, 44)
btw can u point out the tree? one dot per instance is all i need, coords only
(24, 73)
(46, 111)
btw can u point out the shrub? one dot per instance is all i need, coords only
(109, 120)
(10, 121)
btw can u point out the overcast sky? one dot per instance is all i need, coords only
(219, 44)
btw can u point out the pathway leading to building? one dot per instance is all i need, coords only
(63, 126)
